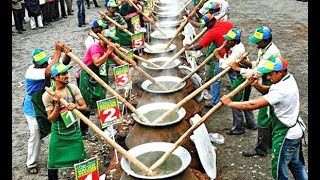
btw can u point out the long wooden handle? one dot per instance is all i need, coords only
(193, 12)
(150, 20)
(195, 126)
(194, 93)
(185, 6)
(140, 58)
(107, 87)
(183, 49)
(124, 50)
(126, 58)
(200, 66)
(96, 129)
(115, 23)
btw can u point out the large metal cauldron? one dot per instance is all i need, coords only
(169, 33)
(160, 61)
(155, 110)
(169, 23)
(167, 81)
(180, 152)
(159, 48)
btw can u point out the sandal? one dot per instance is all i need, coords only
(33, 170)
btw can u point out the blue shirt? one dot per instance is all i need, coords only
(35, 82)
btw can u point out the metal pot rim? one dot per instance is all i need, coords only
(176, 79)
(173, 64)
(159, 105)
(181, 152)
(154, 46)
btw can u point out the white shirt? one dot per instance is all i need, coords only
(90, 40)
(284, 97)
(263, 54)
(236, 51)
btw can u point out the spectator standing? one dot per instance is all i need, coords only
(34, 12)
(18, 15)
(81, 13)
(94, 2)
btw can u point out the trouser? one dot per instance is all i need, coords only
(94, 2)
(264, 140)
(62, 8)
(69, 6)
(215, 87)
(49, 9)
(36, 21)
(18, 15)
(33, 142)
(81, 13)
(291, 157)
(56, 13)
(238, 119)
(52, 174)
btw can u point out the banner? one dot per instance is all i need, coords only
(122, 76)
(87, 170)
(136, 24)
(109, 112)
(137, 40)
(68, 117)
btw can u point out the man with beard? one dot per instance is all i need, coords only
(66, 145)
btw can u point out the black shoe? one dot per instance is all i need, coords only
(64, 17)
(236, 132)
(252, 152)
(98, 6)
(19, 32)
(23, 29)
(70, 13)
(88, 7)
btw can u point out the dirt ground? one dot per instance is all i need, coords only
(290, 34)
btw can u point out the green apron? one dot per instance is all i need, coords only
(90, 89)
(41, 114)
(263, 113)
(210, 50)
(66, 146)
(279, 132)
(124, 38)
(239, 96)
